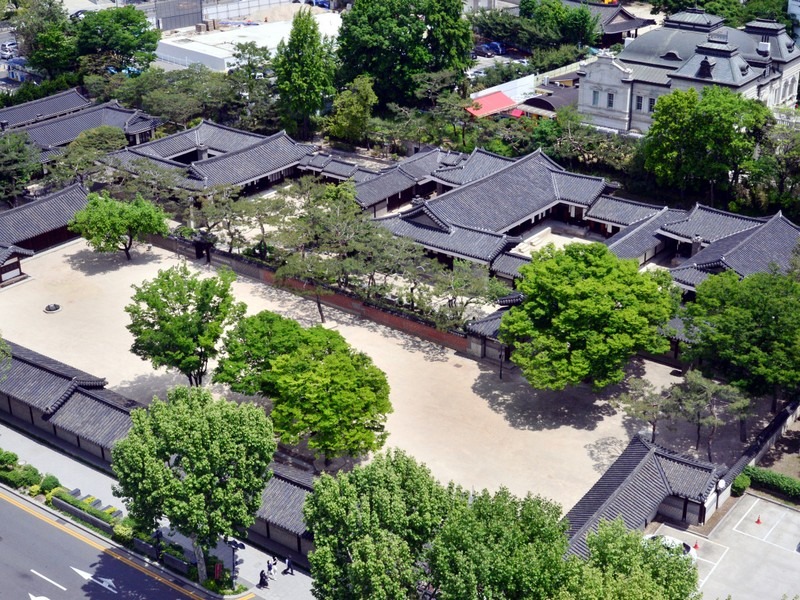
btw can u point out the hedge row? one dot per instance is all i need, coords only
(776, 482)
(64, 495)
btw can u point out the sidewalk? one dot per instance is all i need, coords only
(74, 474)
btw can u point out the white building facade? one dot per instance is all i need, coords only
(692, 50)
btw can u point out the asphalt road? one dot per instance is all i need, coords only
(44, 558)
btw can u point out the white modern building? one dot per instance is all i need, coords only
(216, 49)
(692, 50)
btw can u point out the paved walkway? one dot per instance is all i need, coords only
(74, 474)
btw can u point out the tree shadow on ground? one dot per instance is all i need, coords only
(785, 456)
(604, 452)
(526, 408)
(143, 387)
(91, 263)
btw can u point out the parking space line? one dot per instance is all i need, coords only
(744, 516)
(765, 541)
(711, 572)
(774, 526)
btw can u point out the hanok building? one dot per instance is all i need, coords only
(209, 155)
(645, 481)
(43, 109)
(692, 50)
(615, 21)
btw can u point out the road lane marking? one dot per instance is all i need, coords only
(58, 585)
(714, 568)
(100, 547)
(101, 581)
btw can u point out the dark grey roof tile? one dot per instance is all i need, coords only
(41, 216)
(51, 106)
(619, 211)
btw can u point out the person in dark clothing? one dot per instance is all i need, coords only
(263, 581)
(289, 569)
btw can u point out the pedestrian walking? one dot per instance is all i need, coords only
(271, 567)
(289, 569)
(263, 581)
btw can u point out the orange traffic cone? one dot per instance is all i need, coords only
(758, 520)
(696, 545)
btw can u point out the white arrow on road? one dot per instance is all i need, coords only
(37, 597)
(102, 582)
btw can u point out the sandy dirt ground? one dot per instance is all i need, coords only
(450, 411)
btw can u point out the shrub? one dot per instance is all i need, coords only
(29, 475)
(740, 484)
(123, 534)
(8, 459)
(49, 483)
(86, 507)
(34, 490)
(775, 482)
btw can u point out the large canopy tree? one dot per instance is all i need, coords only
(110, 225)
(393, 40)
(304, 68)
(585, 313)
(749, 330)
(201, 463)
(19, 161)
(177, 319)
(122, 36)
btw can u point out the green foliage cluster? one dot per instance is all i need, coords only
(389, 530)
(123, 534)
(774, 482)
(49, 483)
(740, 484)
(85, 506)
(21, 476)
(572, 25)
(19, 161)
(584, 314)
(30, 91)
(8, 459)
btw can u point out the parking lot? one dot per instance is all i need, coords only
(752, 554)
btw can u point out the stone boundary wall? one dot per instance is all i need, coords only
(82, 515)
(349, 304)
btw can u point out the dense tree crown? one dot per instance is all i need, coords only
(584, 314)
(121, 36)
(110, 225)
(177, 319)
(199, 462)
(697, 140)
(389, 529)
(748, 329)
(392, 40)
(19, 161)
(304, 69)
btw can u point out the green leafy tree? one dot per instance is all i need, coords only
(500, 546)
(465, 284)
(352, 110)
(304, 69)
(122, 36)
(82, 155)
(199, 462)
(370, 526)
(749, 330)
(704, 140)
(19, 161)
(392, 42)
(331, 395)
(177, 319)
(251, 347)
(701, 402)
(55, 51)
(36, 17)
(624, 566)
(110, 225)
(643, 402)
(584, 314)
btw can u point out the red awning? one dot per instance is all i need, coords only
(491, 104)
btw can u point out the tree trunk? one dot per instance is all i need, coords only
(319, 307)
(201, 560)
(743, 430)
(653, 433)
(127, 250)
(710, 442)
(697, 442)
(774, 407)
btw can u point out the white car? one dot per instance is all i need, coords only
(672, 542)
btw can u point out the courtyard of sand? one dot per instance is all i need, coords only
(450, 411)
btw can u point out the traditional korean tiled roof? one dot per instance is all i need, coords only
(428, 229)
(62, 130)
(636, 239)
(51, 106)
(389, 183)
(283, 498)
(711, 224)
(619, 211)
(487, 327)
(516, 192)
(479, 164)
(8, 251)
(70, 398)
(269, 155)
(41, 216)
(218, 139)
(614, 18)
(509, 263)
(634, 486)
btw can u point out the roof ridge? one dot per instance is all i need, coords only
(640, 224)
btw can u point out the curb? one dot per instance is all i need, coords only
(142, 561)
